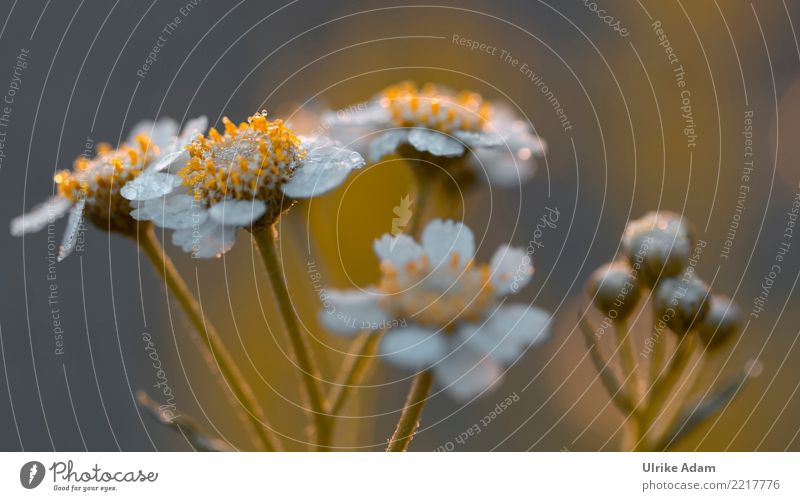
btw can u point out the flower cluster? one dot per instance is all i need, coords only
(442, 314)
(93, 188)
(434, 120)
(442, 311)
(247, 175)
(658, 254)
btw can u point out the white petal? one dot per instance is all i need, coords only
(237, 212)
(184, 237)
(536, 145)
(510, 331)
(355, 125)
(479, 139)
(435, 143)
(40, 216)
(413, 347)
(191, 129)
(511, 162)
(217, 243)
(312, 142)
(169, 162)
(500, 167)
(150, 185)
(161, 132)
(465, 374)
(386, 143)
(141, 214)
(370, 114)
(399, 250)
(307, 119)
(351, 311)
(511, 269)
(174, 212)
(324, 168)
(352, 129)
(441, 239)
(71, 231)
(512, 131)
(208, 240)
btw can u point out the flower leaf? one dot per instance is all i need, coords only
(184, 425)
(696, 413)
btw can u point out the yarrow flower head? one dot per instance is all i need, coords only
(92, 189)
(442, 311)
(434, 120)
(244, 177)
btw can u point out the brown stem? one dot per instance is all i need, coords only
(352, 372)
(266, 240)
(663, 386)
(208, 336)
(409, 418)
(614, 388)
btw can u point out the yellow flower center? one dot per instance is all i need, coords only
(99, 180)
(247, 162)
(435, 108)
(439, 297)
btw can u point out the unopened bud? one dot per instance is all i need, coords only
(721, 324)
(661, 244)
(614, 290)
(681, 303)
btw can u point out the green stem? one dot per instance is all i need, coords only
(266, 240)
(208, 336)
(694, 388)
(696, 413)
(664, 384)
(422, 383)
(625, 342)
(659, 349)
(364, 349)
(632, 383)
(614, 388)
(412, 409)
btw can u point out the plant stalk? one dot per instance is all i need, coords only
(208, 336)
(266, 241)
(625, 342)
(412, 409)
(664, 384)
(364, 349)
(659, 349)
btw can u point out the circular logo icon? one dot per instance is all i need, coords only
(31, 474)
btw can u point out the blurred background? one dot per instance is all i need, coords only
(633, 143)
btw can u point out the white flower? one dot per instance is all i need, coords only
(244, 177)
(442, 311)
(92, 188)
(436, 120)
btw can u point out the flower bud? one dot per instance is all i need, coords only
(659, 244)
(681, 303)
(614, 290)
(721, 324)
